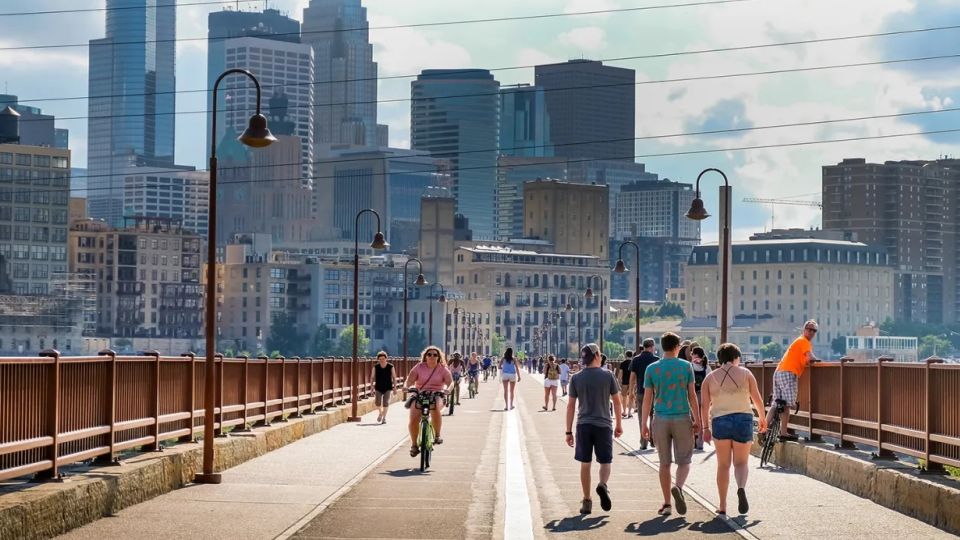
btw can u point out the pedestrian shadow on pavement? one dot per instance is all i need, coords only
(406, 473)
(576, 523)
(657, 525)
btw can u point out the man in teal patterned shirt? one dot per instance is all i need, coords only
(670, 391)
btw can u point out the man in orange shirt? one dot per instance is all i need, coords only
(787, 376)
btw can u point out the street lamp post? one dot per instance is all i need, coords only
(456, 324)
(556, 326)
(441, 300)
(419, 283)
(379, 242)
(699, 213)
(569, 309)
(257, 135)
(622, 269)
(589, 294)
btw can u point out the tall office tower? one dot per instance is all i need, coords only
(222, 25)
(285, 71)
(455, 115)
(589, 102)
(346, 75)
(132, 85)
(908, 207)
(524, 122)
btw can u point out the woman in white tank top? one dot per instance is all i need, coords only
(726, 395)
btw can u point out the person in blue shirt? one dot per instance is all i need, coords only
(487, 362)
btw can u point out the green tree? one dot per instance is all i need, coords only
(615, 331)
(122, 343)
(284, 337)
(228, 353)
(670, 309)
(613, 350)
(520, 355)
(839, 345)
(345, 342)
(704, 342)
(931, 345)
(322, 344)
(772, 351)
(416, 340)
(497, 345)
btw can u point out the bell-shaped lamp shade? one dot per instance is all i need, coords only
(442, 299)
(697, 211)
(463, 320)
(421, 281)
(257, 135)
(589, 293)
(569, 307)
(620, 268)
(379, 242)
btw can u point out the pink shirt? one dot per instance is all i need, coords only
(435, 383)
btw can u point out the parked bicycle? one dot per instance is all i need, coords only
(773, 430)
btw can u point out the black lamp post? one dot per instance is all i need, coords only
(622, 269)
(457, 310)
(257, 135)
(441, 300)
(379, 242)
(699, 213)
(419, 283)
(569, 309)
(589, 294)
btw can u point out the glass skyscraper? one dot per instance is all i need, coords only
(346, 75)
(524, 122)
(455, 115)
(132, 81)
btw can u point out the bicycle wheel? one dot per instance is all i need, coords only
(453, 398)
(770, 440)
(425, 444)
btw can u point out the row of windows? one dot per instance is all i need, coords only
(28, 160)
(36, 215)
(796, 255)
(37, 234)
(37, 178)
(37, 253)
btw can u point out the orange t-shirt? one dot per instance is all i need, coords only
(796, 358)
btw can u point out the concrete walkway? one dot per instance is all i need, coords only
(785, 504)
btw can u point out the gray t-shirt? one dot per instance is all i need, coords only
(592, 388)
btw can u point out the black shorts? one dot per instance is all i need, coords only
(594, 439)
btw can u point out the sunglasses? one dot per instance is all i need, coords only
(814, 330)
(432, 355)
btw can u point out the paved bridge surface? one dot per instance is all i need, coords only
(501, 475)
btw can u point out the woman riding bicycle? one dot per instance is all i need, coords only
(456, 367)
(430, 375)
(473, 371)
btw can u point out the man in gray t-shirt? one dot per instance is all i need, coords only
(592, 388)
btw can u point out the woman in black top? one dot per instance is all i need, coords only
(384, 383)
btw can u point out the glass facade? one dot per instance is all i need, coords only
(455, 115)
(132, 101)
(524, 123)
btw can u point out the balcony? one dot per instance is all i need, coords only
(298, 291)
(541, 303)
(509, 322)
(523, 302)
(125, 289)
(501, 302)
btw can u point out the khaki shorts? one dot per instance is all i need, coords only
(625, 393)
(676, 433)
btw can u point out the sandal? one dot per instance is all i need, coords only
(665, 510)
(414, 451)
(438, 440)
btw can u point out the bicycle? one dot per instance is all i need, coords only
(426, 401)
(454, 393)
(773, 430)
(472, 384)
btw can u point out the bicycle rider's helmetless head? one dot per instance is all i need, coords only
(433, 355)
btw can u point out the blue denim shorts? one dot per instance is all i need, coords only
(738, 426)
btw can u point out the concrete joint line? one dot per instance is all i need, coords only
(518, 519)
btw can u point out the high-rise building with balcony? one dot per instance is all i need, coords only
(455, 115)
(132, 104)
(909, 208)
(346, 75)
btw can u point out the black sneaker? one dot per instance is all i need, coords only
(586, 507)
(605, 503)
(789, 438)
(743, 507)
(678, 500)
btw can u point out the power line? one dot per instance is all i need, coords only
(118, 8)
(581, 143)
(512, 68)
(399, 26)
(589, 160)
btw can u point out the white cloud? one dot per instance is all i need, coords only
(583, 6)
(588, 38)
(535, 57)
(41, 60)
(406, 51)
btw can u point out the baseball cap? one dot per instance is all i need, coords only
(592, 347)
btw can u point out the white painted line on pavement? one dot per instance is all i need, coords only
(518, 520)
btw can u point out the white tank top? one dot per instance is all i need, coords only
(730, 393)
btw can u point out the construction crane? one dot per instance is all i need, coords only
(785, 201)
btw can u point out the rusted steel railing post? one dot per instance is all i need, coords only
(266, 389)
(111, 458)
(311, 366)
(764, 391)
(155, 403)
(881, 453)
(296, 387)
(928, 466)
(53, 418)
(283, 389)
(811, 436)
(246, 392)
(218, 413)
(843, 404)
(193, 396)
(324, 382)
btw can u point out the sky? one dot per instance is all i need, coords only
(663, 108)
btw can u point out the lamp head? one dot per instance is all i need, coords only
(442, 299)
(463, 319)
(697, 211)
(379, 242)
(569, 307)
(421, 281)
(589, 293)
(257, 135)
(620, 268)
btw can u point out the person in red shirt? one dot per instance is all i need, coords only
(787, 377)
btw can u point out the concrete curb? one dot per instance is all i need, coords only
(87, 494)
(895, 485)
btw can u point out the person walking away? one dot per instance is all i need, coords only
(638, 369)
(592, 389)
(669, 382)
(727, 393)
(384, 383)
(510, 376)
(564, 375)
(431, 375)
(626, 395)
(551, 381)
(787, 377)
(684, 347)
(540, 365)
(698, 357)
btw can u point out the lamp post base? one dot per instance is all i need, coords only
(354, 419)
(214, 478)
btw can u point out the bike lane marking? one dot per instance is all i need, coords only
(518, 520)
